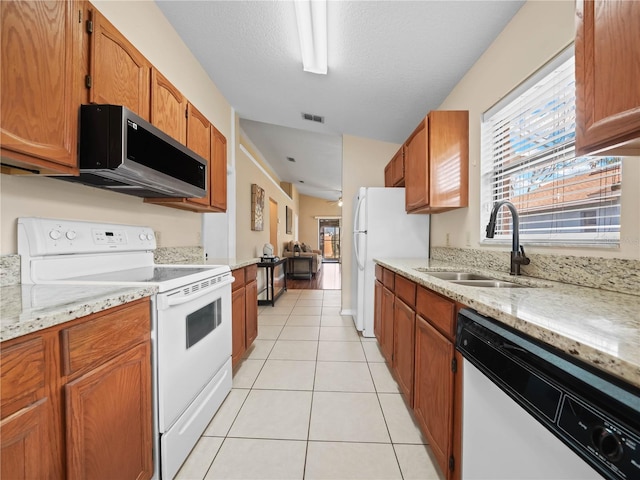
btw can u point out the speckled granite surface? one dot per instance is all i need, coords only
(598, 326)
(179, 255)
(9, 270)
(615, 274)
(28, 308)
(233, 262)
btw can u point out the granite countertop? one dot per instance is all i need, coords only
(29, 308)
(232, 262)
(599, 327)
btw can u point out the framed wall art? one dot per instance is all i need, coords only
(257, 208)
(289, 220)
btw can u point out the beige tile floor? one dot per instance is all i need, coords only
(312, 399)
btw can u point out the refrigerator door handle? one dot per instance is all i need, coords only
(355, 244)
(356, 230)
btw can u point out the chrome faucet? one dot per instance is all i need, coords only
(517, 251)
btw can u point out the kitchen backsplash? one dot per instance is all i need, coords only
(9, 270)
(615, 274)
(179, 255)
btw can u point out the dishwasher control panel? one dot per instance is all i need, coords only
(610, 443)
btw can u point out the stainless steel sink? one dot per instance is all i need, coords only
(488, 283)
(454, 276)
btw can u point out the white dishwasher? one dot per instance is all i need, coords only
(531, 413)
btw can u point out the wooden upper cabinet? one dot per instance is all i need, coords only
(437, 163)
(41, 85)
(394, 171)
(199, 140)
(218, 171)
(168, 107)
(607, 71)
(120, 74)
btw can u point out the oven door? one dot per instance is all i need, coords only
(193, 343)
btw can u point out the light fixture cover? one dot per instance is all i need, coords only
(311, 16)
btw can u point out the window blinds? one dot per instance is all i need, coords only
(528, 158)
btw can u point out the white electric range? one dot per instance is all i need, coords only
(191, 318)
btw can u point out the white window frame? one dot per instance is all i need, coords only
(489, 165)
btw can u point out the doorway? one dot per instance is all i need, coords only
(329, 239)
(273, 224)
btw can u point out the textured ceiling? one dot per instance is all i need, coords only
(390, 62)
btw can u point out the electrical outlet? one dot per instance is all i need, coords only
(468, 239)
(157, 235)
(446, 240)
(198, 238)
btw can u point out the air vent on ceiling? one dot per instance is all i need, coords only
(313, 118)
(291, 159)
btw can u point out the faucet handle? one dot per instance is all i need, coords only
(525, 260)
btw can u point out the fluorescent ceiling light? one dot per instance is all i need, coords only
(311, 16)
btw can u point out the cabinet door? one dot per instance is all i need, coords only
(24, 443)
(417, 168)
(218, 173)
(388, 300)
(404, 322)
(119, 72)
(388, 174)
(40, 84)
(109, 419)
(168, 107)
(199, 140)
(251, 312)
(238, 308)
(377, 311)
(397, 168)
(607, 72)
(434, 394)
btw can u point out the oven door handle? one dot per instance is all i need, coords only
(170, 301)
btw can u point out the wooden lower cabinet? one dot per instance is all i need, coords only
(238, 307)
(417, 338)
(112, 406)
(434, 389)
(24, 441)
(69, 412)
(377, 310)
(387, 305)
(251, 312)
(404, 322)
(244, 311)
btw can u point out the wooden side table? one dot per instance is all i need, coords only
(276, 282)
(301, 259)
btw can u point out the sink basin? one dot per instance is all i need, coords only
(454, 276)
(488, 283)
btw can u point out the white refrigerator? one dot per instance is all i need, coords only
(382, 229)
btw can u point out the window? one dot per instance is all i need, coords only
(528, 158)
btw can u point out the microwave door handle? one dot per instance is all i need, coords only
(172, 302)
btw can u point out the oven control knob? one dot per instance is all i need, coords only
(149, 236)
(608, 443)
(55, 234)
(142, 236)
(71, 235)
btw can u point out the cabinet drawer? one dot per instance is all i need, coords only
(250, 273)
(238, 274)
(23, 375)
(439, 311)
(96, 341)
(406, 290)
(388, 278)
(379, 271)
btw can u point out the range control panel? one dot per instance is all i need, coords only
(45, 236)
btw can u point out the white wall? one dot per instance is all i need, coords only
(538, 32)
(145, 26)
(363, 162)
